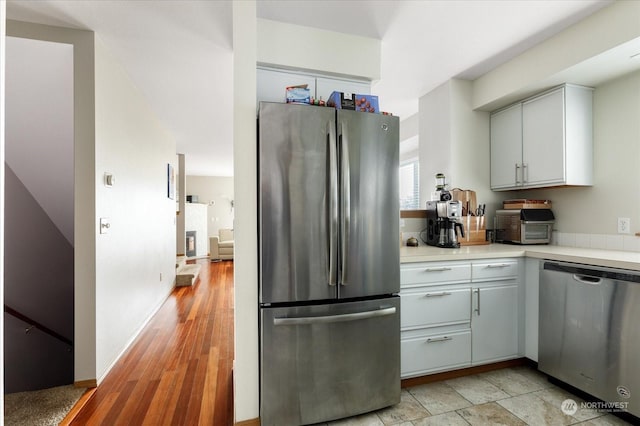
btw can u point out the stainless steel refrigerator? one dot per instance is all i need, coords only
(329, 266)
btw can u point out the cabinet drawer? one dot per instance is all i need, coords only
(495, 269)
(428, 273)
(435, 353)
(435, 307)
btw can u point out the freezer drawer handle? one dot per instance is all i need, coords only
(437, 269)
(439, 339)
(444, 293)
(586, 279)
(335, 318)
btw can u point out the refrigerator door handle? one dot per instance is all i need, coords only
(333, 203)
(335, 318)
(345, 183)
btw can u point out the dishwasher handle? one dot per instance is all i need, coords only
(586, 279)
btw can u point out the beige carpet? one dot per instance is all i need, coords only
(45, 407)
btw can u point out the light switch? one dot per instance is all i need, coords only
(109, 180)
(105, 224)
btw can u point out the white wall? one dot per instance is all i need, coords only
(180, 205)
(245, 265)
(616, 188)
(454, 140)
(217, 193)
(135, 260)
(40, 92)
(293, 46)
(541, 66)
(196, 220)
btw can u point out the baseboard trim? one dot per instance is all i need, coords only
(251, 422)
(91, 383)
(447, 375)
(71, 415)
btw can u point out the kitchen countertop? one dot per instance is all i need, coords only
(606, 258)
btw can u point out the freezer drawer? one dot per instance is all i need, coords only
(325, 362)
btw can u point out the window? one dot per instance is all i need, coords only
(409, 185)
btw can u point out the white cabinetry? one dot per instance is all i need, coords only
(435, 317)
(458, 314)
(494, 318)
(271, 85)
(543, 141)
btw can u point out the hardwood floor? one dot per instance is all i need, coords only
(178, 371)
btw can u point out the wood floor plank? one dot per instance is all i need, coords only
(178, 370)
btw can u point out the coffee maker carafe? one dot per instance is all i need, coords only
(443, 222)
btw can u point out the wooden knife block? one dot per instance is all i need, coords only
(475, 231)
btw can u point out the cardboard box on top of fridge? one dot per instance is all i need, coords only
(298, 94)
(367, 103)
(341, 100)
(354, 101)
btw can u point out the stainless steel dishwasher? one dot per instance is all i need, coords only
(589, 330)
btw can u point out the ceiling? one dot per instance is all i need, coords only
(179, 52)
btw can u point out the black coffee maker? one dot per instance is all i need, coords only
(443, 221)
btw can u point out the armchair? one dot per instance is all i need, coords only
(221, 246)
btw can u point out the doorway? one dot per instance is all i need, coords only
(39, 215)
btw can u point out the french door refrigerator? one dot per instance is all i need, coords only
(329, 265)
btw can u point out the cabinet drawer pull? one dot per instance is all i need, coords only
(437, 269)
(439, 339)
(444, 293)
(498, 265)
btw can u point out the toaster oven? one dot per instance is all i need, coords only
(524, 226)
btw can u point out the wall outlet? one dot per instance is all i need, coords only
(624, 225)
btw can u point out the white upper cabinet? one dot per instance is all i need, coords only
(506, 146)
(325, 86)
(271, 85)
(544, 141)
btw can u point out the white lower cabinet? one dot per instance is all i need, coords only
(458, 314)
(494, 323)
(437, 350)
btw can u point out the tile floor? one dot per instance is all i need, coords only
(510, 396)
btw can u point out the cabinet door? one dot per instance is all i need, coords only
(271, 85)
(494, 323)
(506, 147)
(543, 136)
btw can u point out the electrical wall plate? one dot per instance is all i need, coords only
(109, 180)
(105, 224)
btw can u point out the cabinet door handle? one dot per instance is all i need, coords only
(498, 265)
(439, 339)
(437, 269)
(444, 293)
(477, 309)
(525, 173)
(517, 168)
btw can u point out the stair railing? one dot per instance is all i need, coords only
(35, 324)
